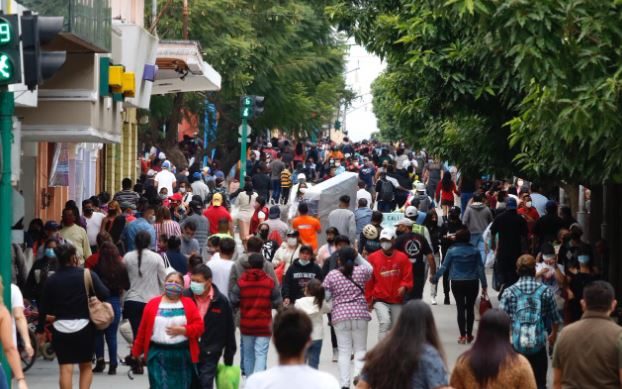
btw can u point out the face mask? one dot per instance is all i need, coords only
(88, 212)
(263, 234)
(152, 219)
(304, 262)
(50, 253)
(163, 196)
(172, 290)
(399, 232)
(182, 190)
(337, 164)
(583, 259)
(528, 204)
(386, 245)
(292, 241)
(187, 238)
(330, 240)
(197, 288)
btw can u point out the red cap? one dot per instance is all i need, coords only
(176, 197)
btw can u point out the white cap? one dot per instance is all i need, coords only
(301, 176)
(411, 211)
(387, 234)
(161, 155)
(420, 187)
(269, 144)
(405, 222)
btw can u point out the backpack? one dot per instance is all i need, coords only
(528, 331)
(387, 191)
(424, 203)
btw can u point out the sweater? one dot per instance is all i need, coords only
(296, 279)
(256, 294)
(344, 221)
(144, 288)
(389, 274)
(194, 328)
(477, 217)
(308, 306)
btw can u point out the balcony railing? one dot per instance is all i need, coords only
(89, 20)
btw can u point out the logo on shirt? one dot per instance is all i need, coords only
(412, 249)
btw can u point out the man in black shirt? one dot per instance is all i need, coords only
(261, 181)
(511, 230)
(418, 251)
(548, 226)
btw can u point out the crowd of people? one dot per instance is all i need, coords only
(190, 253)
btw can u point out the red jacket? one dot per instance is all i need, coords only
(194, 327)
(388, 275)
(255, 293)
(255, 220)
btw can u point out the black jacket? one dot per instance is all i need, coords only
(219, 331)
(296, 279)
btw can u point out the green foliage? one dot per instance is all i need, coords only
(491, 84)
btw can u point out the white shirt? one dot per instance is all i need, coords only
(292, 376)
(165, 179)
(169, 315)
(17, 301)
(363, 194)
(93, 226)
(221, 270)
(539, 202)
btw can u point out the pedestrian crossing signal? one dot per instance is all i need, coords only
(10, 57)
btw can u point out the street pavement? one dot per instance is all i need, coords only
(44, 374)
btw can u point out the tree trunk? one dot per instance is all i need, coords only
(173, 121)
(572, 192)
(613, 233)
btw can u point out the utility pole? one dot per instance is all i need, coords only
(246, 112)
(186, 12)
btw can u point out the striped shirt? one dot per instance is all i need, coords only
(168, 228)
(126, 198)
(286, 179)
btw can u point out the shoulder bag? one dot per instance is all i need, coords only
(100, 313)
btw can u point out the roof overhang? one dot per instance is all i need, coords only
(67, 134)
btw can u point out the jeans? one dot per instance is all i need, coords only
(110, 333)
(313, 353)
(255, 353)
(478, 242)
(133, 311)
(465, 293)
(539, 364)
(206, 369)
(387, 315)
(464, 201)
(351, 337)
(276, 189)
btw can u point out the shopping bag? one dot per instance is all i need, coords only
(279, 270)
(484, 305)
(227, 377)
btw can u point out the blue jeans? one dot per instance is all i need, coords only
(313, 353)
(464, 200)
(276, 189)
(255, 353)
(478, 242)
(110, 333)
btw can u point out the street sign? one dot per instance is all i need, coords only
(248, 130)
(247, 140)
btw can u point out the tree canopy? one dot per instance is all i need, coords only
(497, 85)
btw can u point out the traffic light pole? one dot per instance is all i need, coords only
(243, 151)
(7, 108)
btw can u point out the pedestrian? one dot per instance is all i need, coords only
(350, 314)
(172, 254)
(307, 226)
(146, 271)
(492, 362)
(548, 225)
(587, 353)
(143, 223)
(168, 336)
(302, 270)
(73, 334)
(328, 248)
(165, 225)
(215, 212)
(446, 191)
(200, 222)
(165, 179)
(221, 265)
(343, 218)
(363, 193)
(113, 274)
(531, 216)
(9, 346)
(94, 221)
(530, 304)
(315, 305)
(114, 210)
(551, 274)
(276, 168)
(286, 185)
(369, 241)
(385, 193)
(199, 188)
(420, 255)
(466, 271)
(255, 294)
(434, 229)
(261, 181)
(41, 271)
(421, 363)
(292, 332)
(245, 203)
(218, 339)
(476, 218)
(362, 216)
(189, 245)
(126, 196)
(260, 214)
(254, 246)
(390, 281)
(275, 223)
(76, 235)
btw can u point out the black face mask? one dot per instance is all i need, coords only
(330, 240)
(88, 212)
(399, 232)
(263, 234)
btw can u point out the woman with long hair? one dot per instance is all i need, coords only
(165, 225)
(113, 274)
(9, 347)
(492, 363)
(245, 202)
(350, 315)
(410, 356)
(73, 334)
(146, 272)
(114, 210)
(445, 191)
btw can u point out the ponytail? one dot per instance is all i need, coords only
(142, 241)
(347, 255)
(315, 289)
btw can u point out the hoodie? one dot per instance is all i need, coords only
(255, 294)
(307, 305)
(296, 279)
(241, 265)
(477, 217)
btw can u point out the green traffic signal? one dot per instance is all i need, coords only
(10, 56)
(6, 67)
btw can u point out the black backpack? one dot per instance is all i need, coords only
(387, 191)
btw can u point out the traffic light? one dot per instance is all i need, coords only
(10, 60)
(258, 105)
(246, 107)
(40, 65)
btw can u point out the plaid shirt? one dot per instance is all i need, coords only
(528, 284)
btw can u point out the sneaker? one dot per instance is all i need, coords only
(469, 339)
(433, 301)
(446, 302)
(462, 340)
(335, 355)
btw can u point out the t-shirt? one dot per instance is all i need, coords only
(276, 167)
(165, 179)
(93, 226)
(294, 376)
(308, 227)
(17, 301)
(221, 270)
(416, 247)
(214, 214)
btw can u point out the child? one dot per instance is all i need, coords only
(314, 305)
(255, 294)
(301, 271)
(286, 184)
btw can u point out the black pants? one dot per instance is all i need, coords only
(206, 369)
(446, 287)
(333, 336)
(133, 311)
(465, 293)
(416, 293)
(285, 195)
(539, 364)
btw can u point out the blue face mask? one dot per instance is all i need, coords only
(197, 288)
(583, 259)
(50, 253)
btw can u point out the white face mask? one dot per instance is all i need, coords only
(386, 245)
(292, 241)
(528, 204)
(182, 190)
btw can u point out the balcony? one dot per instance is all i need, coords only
(87, 22)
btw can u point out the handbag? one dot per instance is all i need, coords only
(168, 268)
(100, 313)
(227, 377)
(484, 305)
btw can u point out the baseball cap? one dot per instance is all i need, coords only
(510, 203)
(293, 233)
(51, 225)
(217, 199)
(405, 222)
(195, 206)
(161, 155)
(548, 251)
(411, 211)
(301, 176)
(386, 234)
(176, 197)
(275, 212)
(220, 174)
(196, 175)
(166, 165)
